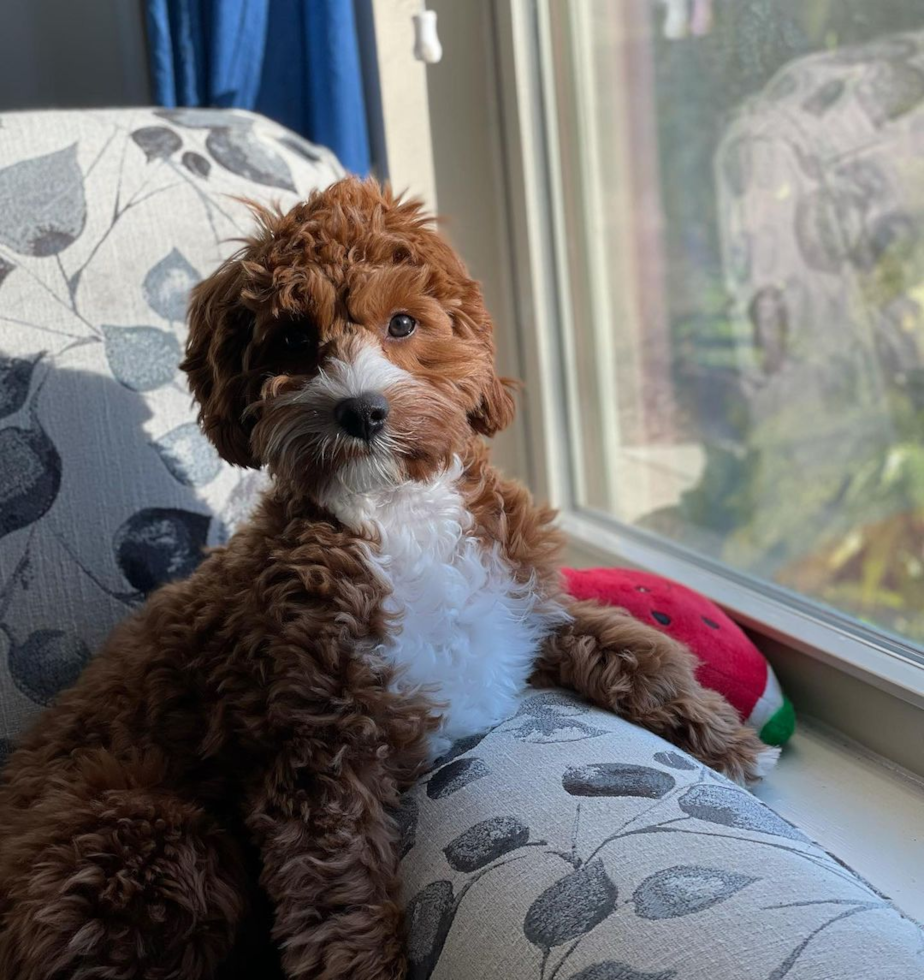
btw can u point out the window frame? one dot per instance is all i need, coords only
(535, 212)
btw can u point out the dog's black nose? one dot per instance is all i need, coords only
(363, 416)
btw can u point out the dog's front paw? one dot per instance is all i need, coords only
(767, 759)
(742, 756)
(749, 760)
(713, 733)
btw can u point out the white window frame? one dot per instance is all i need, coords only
(540, 273)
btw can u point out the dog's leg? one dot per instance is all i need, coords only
(330, 868)
(128, 882)
(636, 671)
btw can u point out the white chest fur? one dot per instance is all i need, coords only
(467, 630)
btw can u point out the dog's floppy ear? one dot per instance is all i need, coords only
(496, 408)
(219, 331)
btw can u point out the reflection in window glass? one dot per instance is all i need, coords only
(744, 198)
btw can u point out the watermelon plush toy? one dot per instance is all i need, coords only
(729, 661)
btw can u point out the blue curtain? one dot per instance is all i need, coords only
(296, 61)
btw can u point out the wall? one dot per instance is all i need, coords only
(72, 53)
(468, 161)
(396, 94)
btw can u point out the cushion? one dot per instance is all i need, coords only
(107, 487)
(568, 844)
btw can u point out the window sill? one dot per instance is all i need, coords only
(857, 806)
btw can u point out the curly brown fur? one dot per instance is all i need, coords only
(227, 764)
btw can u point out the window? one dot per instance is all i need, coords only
(737, 208)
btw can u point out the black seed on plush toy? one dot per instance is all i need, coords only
(711, 623)
(662, 618)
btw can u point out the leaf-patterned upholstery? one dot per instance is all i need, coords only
(563, 845)
(569, 845)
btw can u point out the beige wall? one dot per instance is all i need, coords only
(468, 164)
(402, 137)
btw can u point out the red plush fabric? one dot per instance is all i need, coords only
(729, 661)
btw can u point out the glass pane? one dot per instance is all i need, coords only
(743, 192)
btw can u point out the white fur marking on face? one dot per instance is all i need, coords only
(468, 631)
(367, 371)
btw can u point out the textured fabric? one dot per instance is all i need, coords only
(569, 845)
(107, 487)
(296, 61)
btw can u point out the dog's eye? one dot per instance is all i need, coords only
(296, 339)
(401, 325)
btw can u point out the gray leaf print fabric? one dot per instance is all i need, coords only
(485, 842)
(141, 358)
(619, 971)
(454, 776)
(30, 475)
(5, 269)
(571, 907)
(406, 818)
(680, 891)
(195, 118)
(166, 286)
(619, 857)
(45, 662)
(157, 142)
(158, 545)
(42, 203)
(107, 487)
(724, 805)
(429, 918)
(196, 164)
(240, 152)
(188, 455)
(675, 760)
(617, 779)
(552, 717)
(15, 377)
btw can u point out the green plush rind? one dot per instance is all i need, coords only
(781, 725)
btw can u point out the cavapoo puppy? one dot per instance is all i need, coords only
(213, 797)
